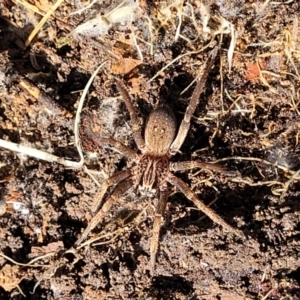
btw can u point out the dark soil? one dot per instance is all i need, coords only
(250, 115)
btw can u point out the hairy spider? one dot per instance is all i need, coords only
(153, 169)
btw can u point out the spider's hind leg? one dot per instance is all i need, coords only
(201, 206)
(117, 193)
(188, 165)
(158, 220)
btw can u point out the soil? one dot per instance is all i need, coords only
(247, 120)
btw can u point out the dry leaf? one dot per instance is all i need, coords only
(10, 277)
(125, 65)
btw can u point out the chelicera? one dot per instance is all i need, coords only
(153, 170)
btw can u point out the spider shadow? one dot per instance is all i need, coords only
(50, 74)
(229, 204)
(119, 223)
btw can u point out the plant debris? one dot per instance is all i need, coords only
(247, 122)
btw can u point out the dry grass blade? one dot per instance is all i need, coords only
(78, 112)
(42, 22)
(39, 154)
(114, 234)
(29, 264)
(160, 72)
(30, 6)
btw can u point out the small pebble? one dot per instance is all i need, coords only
(2, 207)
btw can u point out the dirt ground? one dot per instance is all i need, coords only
(247, 120)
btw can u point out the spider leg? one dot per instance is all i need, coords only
(115, 179)
(136, 126)
(100, 141)
(118, 192)
(126, 151)
(187, 165)
(185, 123)
(158, 220)
(200, 205)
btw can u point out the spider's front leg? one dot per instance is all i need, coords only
(136, 126)
(200, 205)
(158, 220)
(185, 123)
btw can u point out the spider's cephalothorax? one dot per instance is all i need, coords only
(152, 172)
(153, 165)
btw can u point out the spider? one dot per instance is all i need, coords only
(153, 170)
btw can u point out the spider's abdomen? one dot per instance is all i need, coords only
(160, 131)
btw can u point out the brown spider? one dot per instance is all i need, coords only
(153, 169)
